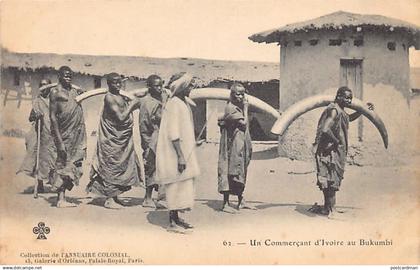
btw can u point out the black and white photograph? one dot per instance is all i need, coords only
(237, 132)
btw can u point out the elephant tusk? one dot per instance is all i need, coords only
(308, 104)
(100, 91)
(224, 94)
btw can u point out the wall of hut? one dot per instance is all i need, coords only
(310, 65)
(27, 80)
(414, 120)
(20, 80)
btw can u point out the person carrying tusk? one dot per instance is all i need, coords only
(115, 165)
(235, 149)
(331, 145)
(69, 132)
(150, 115)
(47, 151)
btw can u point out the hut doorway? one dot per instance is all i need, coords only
(351, 71)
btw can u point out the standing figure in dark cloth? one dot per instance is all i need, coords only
(331, 143)
(235, 149)
(69, 132)
(149, 121)
(115, 165)
(47, 151)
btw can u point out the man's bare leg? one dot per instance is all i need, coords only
(179, 221)
(173, 226)
(148, 201)
(226, 207)
(326, 209)
(160, 201)
(243, 205)
(61, 202)
(225, 200)
(61, 196)
(332, 200)
(40, 188)
(112, 203)
(240, 198)
(36, 188)
(172, 217)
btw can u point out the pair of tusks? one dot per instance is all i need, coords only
(282, 123)
(196, 94)
(308, 104)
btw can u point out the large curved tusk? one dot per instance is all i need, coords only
(224, 94)
(136, 93)
(100, 91)
(308, 104)
(42, 88)
(91, 93)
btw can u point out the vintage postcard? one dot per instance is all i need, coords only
(209, 132)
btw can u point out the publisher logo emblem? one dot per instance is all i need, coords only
(41, 230)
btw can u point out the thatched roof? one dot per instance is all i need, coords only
(339, 21)
(142, 67)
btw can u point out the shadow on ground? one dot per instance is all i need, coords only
(52, 200)
(158, 218)
(30, 190)
(304, 210)
(216, 205)
(130, 201)
(270, 205)
(125, 201)
(270, 153)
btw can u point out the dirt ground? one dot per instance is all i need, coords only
(379, 203)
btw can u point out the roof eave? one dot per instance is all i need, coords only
(271, 38)
(278, 36)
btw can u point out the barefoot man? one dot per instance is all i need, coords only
(176, 161)
(47, 151)
(330, 146)
(235, 148)
(115, 166)
(69, 132)
(149, 121)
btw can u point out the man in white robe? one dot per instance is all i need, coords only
(176, 160)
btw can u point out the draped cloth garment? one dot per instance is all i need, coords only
(47, 149)
(71, 125)
(235, 151)
(115, 166)
(330, 162)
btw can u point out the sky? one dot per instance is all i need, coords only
(173, 28)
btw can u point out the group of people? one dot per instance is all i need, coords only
(168, 142)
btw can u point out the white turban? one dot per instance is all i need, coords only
(180, 84)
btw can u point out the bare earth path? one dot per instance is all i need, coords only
(379, 203)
